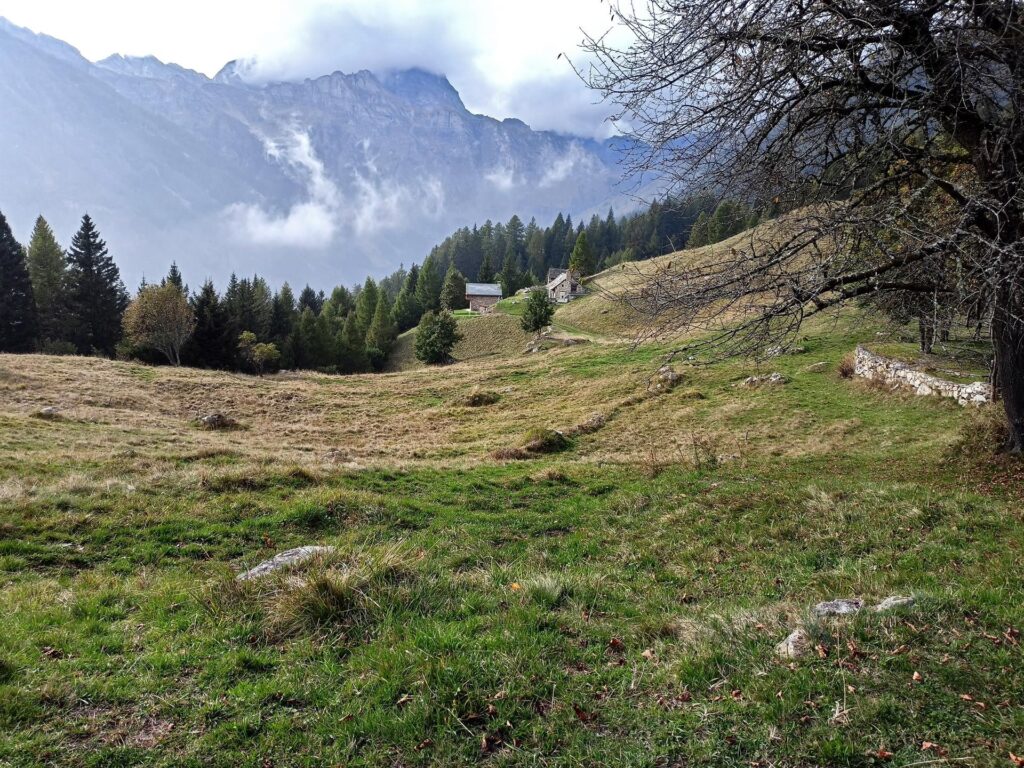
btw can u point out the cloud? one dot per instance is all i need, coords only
(312, 223)
(500, 59)
(562, 167)
(374, 204)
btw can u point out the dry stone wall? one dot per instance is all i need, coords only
(868, 365)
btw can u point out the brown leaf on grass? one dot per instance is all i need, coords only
(424, 744)
(930, 746)
(405, 699)
(582, 715)
(918, 677)
(648, 654)
(822, 651)
(1016, 760)
(883, 754)
(616, 645)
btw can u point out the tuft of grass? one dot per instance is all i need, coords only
(847, 366)
(479, 398)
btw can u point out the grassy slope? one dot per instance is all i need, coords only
(614, 604)
(484, 336)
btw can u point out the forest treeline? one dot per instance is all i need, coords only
(74, 302)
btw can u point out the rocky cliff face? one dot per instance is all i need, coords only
(322, 180)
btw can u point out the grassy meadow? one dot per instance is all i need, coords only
(617, 602)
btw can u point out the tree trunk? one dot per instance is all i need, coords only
(927, 329)
(1008, 343)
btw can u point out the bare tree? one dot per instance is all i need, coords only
(891, 130)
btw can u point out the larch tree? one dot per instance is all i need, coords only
(847, 114)
(48, 270)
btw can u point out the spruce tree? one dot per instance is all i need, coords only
(509, 277)
(582, 260)
(486, 273)
(175, 279)
(453, 292)
(211, 344)
(406, 312)
(310, 299)
(48, 270)
(428, 286)
(96, 296)
(436, 337)
(18, 323)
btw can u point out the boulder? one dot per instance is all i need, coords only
(49, 412)
(840, 607)
(896, 601)
(821, 367)
(666, 379)
(773, 379)
(797, 644)
(217, 421)
(285, 559)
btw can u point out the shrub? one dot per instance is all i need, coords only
(436, 337)
(847, 366)
(538, 311)
(479, 398)
(541, 440)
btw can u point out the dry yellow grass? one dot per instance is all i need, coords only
(483, 337)
(602, 312)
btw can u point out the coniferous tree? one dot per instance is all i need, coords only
(352, 351)
(18, 325)
(175, 279)
(538, 311)
(48, 270)
(486, 273)
(366, 305)
(453, 292)
(436, 337)
(582, 260)
(406, 312)
(211, 344)
(315, 342)
(699, 235)
(381, 336)
(428, 286)
(96, 296)
(509, 276)
(310, 299)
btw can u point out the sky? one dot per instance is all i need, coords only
(501, 56)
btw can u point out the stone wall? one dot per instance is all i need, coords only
(868, 365)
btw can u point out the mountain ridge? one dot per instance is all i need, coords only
(322, 180)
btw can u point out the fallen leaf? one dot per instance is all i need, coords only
(883, 754)
(1017, 761)
(424, 744)
(648, 654)
(966, 697)
(405, 699)
(917, 677)
(615, 644)
(822, 651)
(515, 586)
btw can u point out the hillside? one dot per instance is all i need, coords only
(601, 312)
(496, 335)
(614, 603)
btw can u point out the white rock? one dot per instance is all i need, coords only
(794, 646)
(895, 601)
(841, 607)
(49, 412)
(283, 560)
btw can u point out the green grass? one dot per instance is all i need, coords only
(588, 607)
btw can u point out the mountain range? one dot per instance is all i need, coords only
(323, 181)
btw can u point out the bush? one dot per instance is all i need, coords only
(436, 337)
(538, 311)
(847, 366)
(479, 398)
(546, 441)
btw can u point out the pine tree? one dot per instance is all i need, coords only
(366, 305)
(538, 311)
(536, 260)
(18, 322)
(315, 342)
(310, 299)
(699, 232)
(48, 271)
(582, 260)
(406, 312)
(211, 344)
(453, 292)
(381, 336)
(428, 286)
(96, 296)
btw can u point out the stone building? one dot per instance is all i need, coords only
(483, 296)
